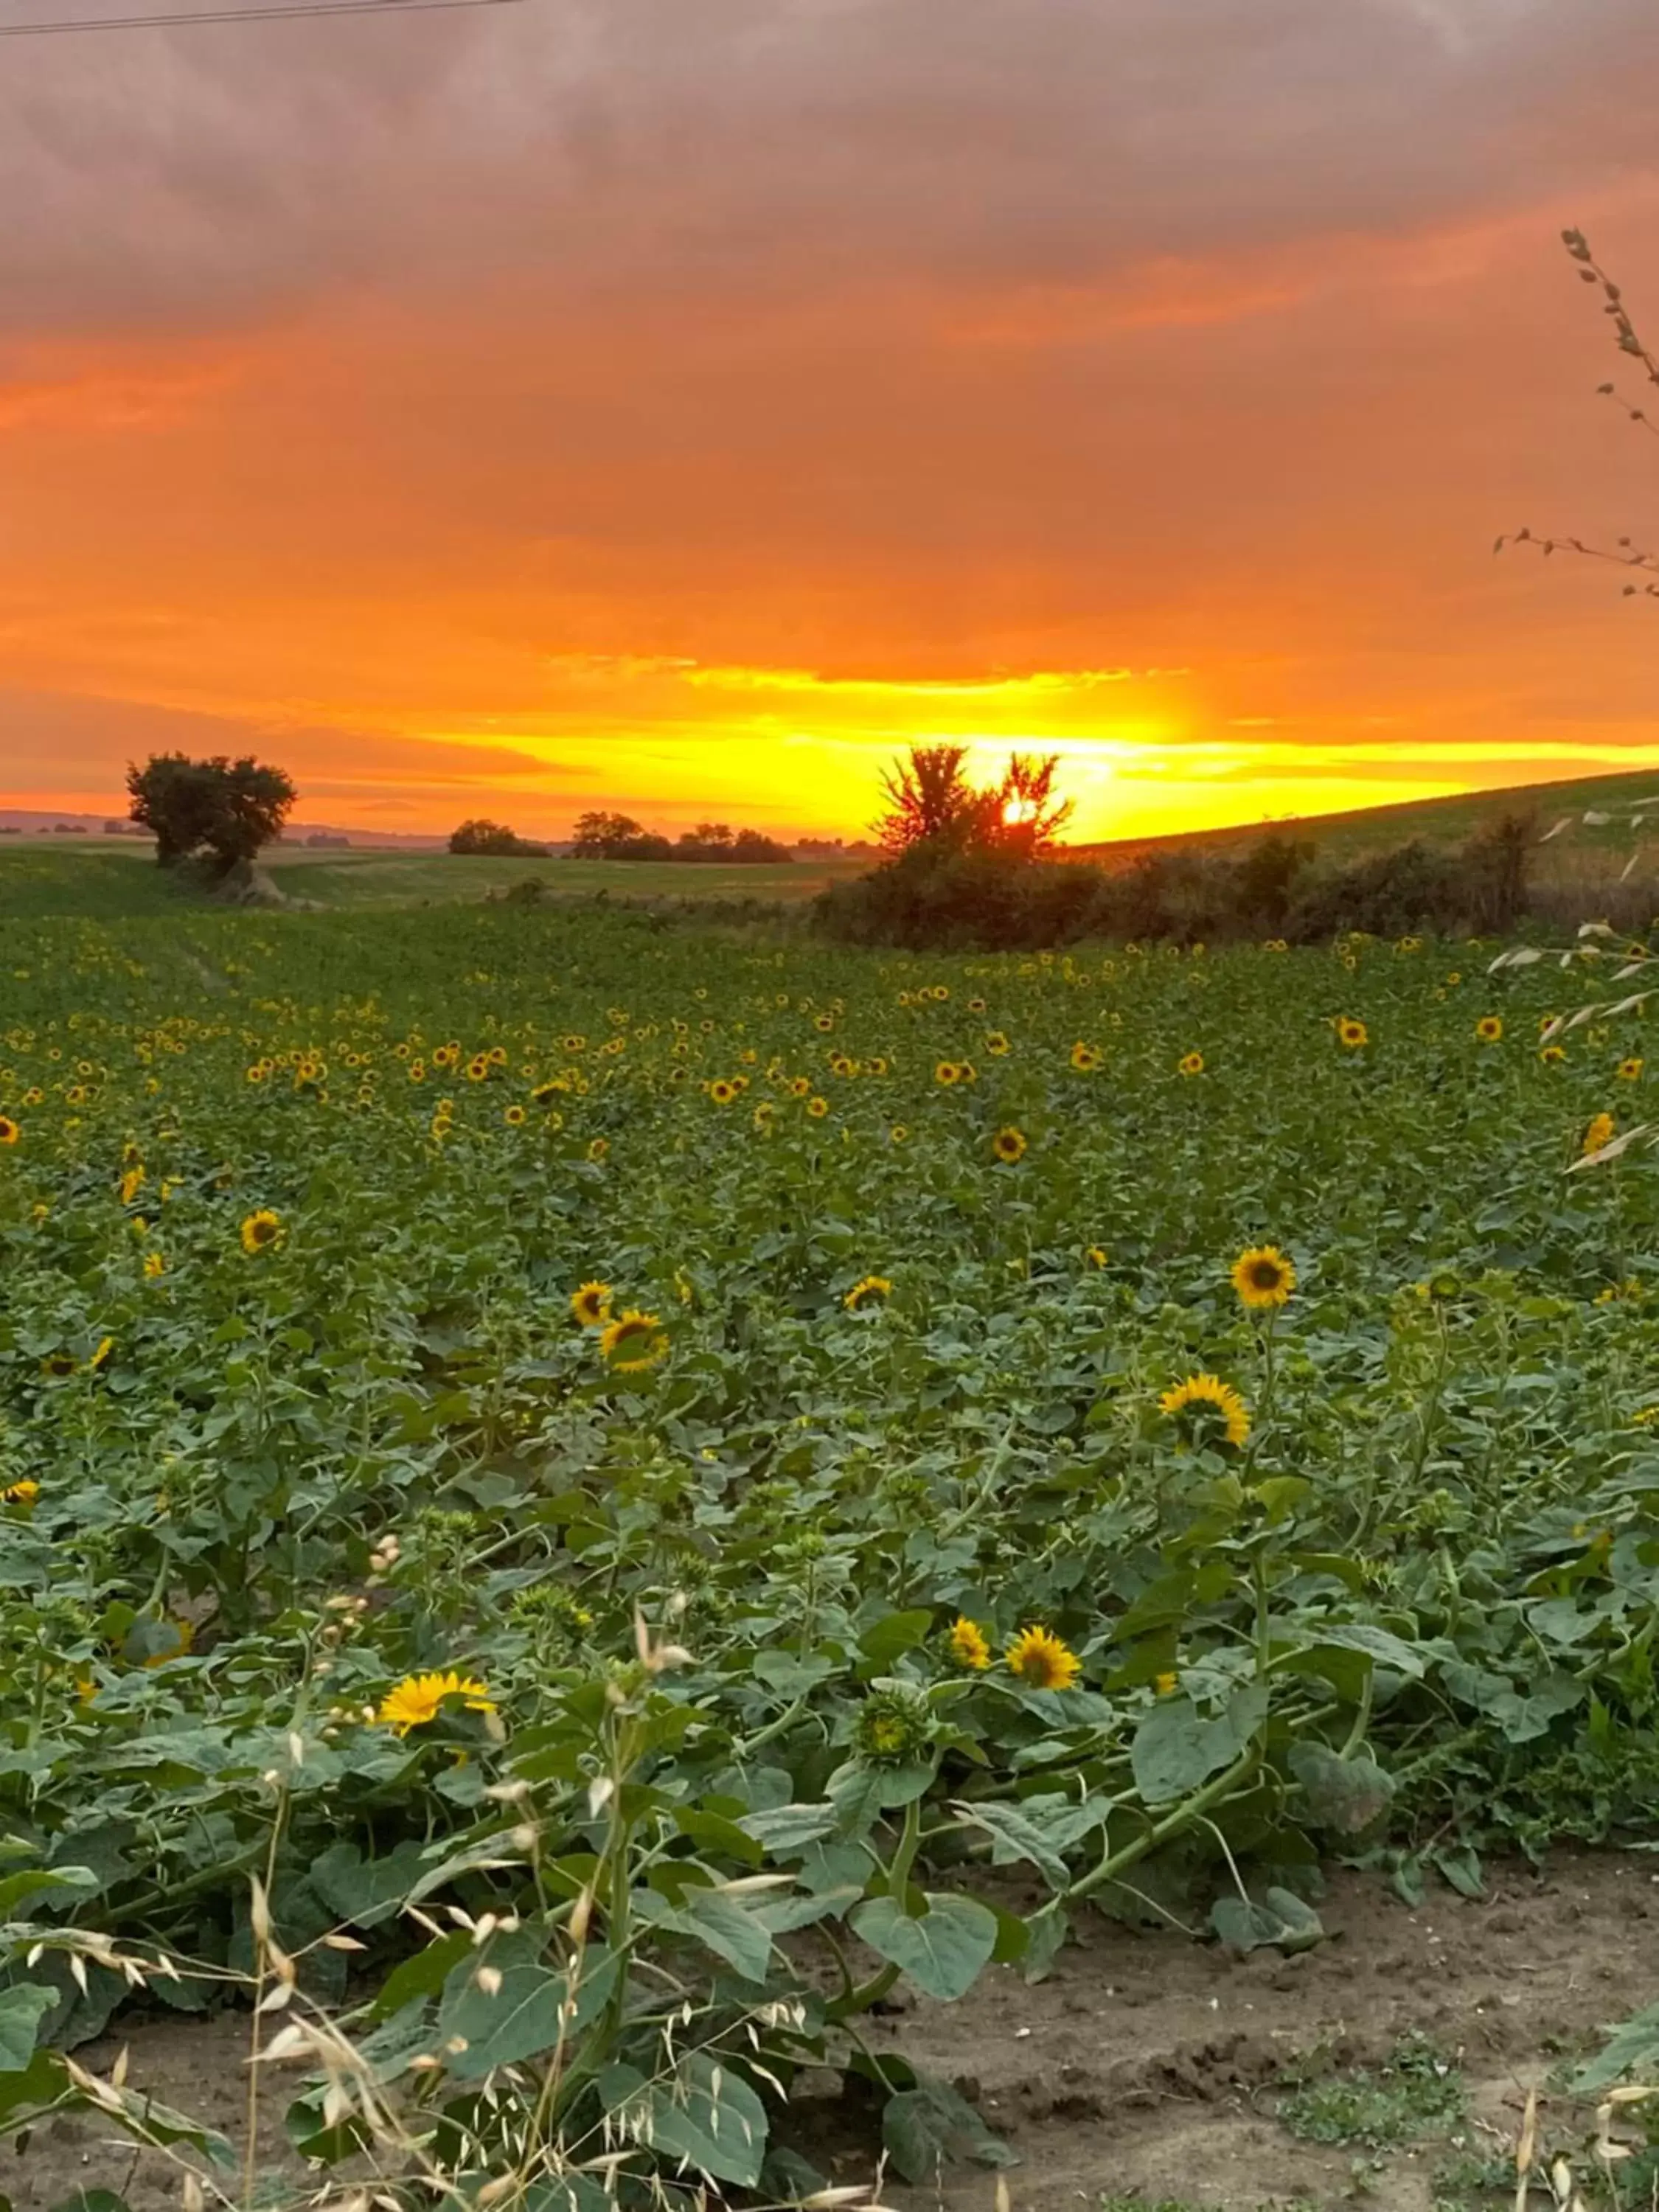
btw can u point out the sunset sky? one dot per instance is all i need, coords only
(680, 405)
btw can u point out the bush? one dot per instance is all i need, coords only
(494, 839)
(938, 898)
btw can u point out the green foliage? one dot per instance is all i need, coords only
(963, 893)
(715, 1623)
(1415, 2093)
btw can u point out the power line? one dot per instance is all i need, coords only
(241, 15)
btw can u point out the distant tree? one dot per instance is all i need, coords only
(930, 801)
(932, 806)
(1029, 818)
(713, 833)
(753, 847)
(494, 838)
(227, 810)
(598, 835)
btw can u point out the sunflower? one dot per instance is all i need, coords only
(976, 1006)
(722, 1091)
(59, 1365)
(817, 1108)
(800, 1086)
(633, 1342)
(966, 1645)
(1629, 1071)
(591, 1304)
(419, 1699)
(1552, 1055)
(1192, 1063)
(872, 1286)
(898, 1134)
(184, 1636)
(262, 1231)
(1489, 1028)
(947, 1072)
(1038, 1658)
(155, 1265)
(598, 1148)
(765, 1114)
(20, 1493)
(1166, 1685)
(823, 1023)
(10, 1132)
(1599, 1132)
(513, 1117)
(1210, 1391)
(1096, 1255)
(1263, 1277)
(1085, 1057)
(996, 1044)
(1352, 1033)
(1009, 1146)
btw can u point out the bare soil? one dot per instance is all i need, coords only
(1143, 2066)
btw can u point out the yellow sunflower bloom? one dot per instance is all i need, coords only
(947, 1073)
(1038, 1658)
(633, 1342)
(1352, 1033)
(1209, 1391)
(1085, 1057)
(419, 1699)
(1191, 1063)
(1263, 1277)
(262, 1231)
(20, 1493)
(1599, 1132)
(1009, 1146)
(874, 1288)
(591, 1304)
(968, 1646)
(1489, 1028)
(1629, 1071)
(10, 1132)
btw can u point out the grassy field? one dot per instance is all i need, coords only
(388, 880)
(112, 877)
(762, 1477)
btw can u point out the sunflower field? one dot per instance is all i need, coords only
(580, 1499)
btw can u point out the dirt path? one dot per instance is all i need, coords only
(1146, 2068)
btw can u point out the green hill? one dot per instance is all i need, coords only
(1436, 821)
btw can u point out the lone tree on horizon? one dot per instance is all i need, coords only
(931, 805)
(223, 809)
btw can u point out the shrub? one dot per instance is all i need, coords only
(495, 838)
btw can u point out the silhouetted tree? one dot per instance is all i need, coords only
(1029, 816)
(494, 838)
(930, 801)
(226, 809)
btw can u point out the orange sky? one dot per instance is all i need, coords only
(603, 402)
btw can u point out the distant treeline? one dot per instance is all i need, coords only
(935, 896)
(619, 837)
